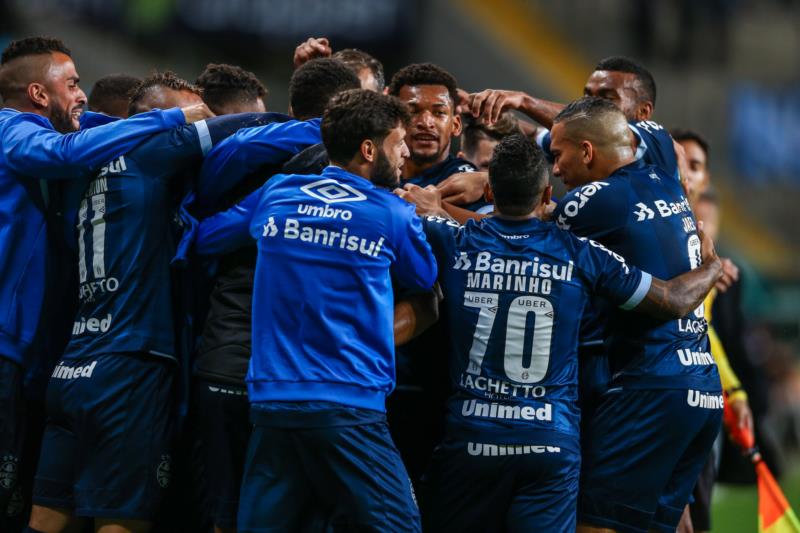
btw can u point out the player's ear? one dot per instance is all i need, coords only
(368, 150)
(37, 94)
(644, 110)
(547, 195)
(488, 195)
(587, 152)
(457, 125)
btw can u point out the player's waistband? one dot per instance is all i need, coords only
(309, 391)
(510, 436)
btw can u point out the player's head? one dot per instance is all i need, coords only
(589, 140)
(431, 94)
(706, 208)
(314, 84)
(37, 75)
(163, 90)
(368, 69)
(111, 94)
(364, 131)
(697, 177)
(230, 89)
(479, 139)
(518, 179)
(626, 83)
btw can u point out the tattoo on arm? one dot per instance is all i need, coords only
(679, 296)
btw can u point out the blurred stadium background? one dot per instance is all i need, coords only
(729, 69)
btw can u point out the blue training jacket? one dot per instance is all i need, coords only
(323, 311)
(32, 152)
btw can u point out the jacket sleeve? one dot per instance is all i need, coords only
(32, 148)
(415, 265)
(247, 150)
(229, 230)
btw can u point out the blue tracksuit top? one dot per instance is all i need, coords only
(329, 246)
(32, 152)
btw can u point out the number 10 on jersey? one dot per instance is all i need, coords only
(526, 353)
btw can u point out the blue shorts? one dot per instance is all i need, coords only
(106, 446)
(309, 459)
(223, 425)
(642, 454)
(484, 487)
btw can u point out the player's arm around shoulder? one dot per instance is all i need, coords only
(680, 295)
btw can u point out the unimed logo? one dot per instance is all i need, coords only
(91, 325)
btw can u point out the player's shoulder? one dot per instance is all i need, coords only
(590, 197)
(458, 164)
(10, 117)
(649, 127)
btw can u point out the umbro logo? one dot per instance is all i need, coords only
(644, 212)
(331, 191)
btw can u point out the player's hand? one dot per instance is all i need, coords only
(707, 252)
(730, 275)
(313, 48)
(428, 200)
(490, 104)
(462, 103)
(744, 416)
(463, 187)
(196, 112)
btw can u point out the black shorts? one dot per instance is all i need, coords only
(107, 444)
(223, 425)
(12, 430)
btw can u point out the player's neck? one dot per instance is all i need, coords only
(413, 168)
(498, 213)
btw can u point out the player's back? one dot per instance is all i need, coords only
(322, 295)
(640, 212)
(515, 291)
(126, 239)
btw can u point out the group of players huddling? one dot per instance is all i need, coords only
(278, 276)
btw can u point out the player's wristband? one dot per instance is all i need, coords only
(736, 393)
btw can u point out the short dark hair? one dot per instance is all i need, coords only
(314, 84)
(680, 134)
(356, 115)
(624, 64)
(358, 60)
(517, 174)
(475, 130)
(424, 74)
(111, 88)
(167, 79)
(225, 84)
(586, 107)
(30, 46)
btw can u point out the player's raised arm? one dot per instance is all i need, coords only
(490, 104)
(680, 295)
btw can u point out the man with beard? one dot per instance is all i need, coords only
(323, 358)
(43, 101)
